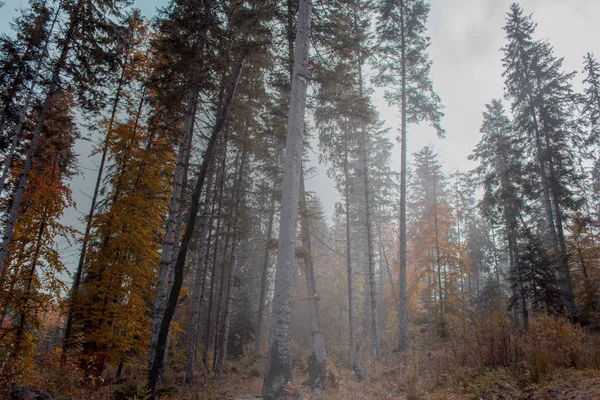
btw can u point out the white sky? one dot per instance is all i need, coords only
(466, 36)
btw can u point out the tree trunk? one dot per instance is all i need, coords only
(162, 289)
(358, 372)
(439, 262)
(403, 333)
(213, 277)
(238, 200)
(317, 369)
(374, 325)
(264, 282)
(226, 268)
(564, 272)
(278, 369)
(199, 279)
(159, 349)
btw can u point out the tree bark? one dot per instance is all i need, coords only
(317, 372)
(264, 282)
(374, 325)
(162, 289)
(159, 349)
(278, 369)
(199, 280)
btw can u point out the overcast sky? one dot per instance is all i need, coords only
(466, 36)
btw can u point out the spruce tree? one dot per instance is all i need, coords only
(542, 102)
(404, 66)
(500, 173)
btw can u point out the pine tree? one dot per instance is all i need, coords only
(431, 222)
(20, 59)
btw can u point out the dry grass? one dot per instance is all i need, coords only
(487, 360)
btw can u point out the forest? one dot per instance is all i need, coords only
(204, 268)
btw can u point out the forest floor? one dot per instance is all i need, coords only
(552, 360)
(493, 385)
(398, 383)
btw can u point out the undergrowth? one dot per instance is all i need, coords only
(484, 360)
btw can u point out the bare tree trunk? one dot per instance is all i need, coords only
(439, 262)
(374, 326)
(564, 272)
(358, 372)
(403, 333)
(263, 282)
(226, 269)
(278, 369)
(199, 279)
(238, 200)
(162, 289)
(213, 278)
(317, 369)
(154, 370)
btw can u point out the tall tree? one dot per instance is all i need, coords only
(83, 58)
(110, 312)
(32, 284)
(278, 369)
(251, 20)
(131, 52)
(591, 98)
(318, 359)
(500, 173)
(404, 67)
(542, 102)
